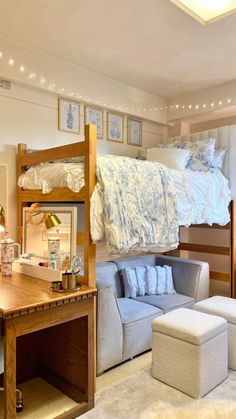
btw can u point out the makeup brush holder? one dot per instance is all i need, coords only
(69, 281)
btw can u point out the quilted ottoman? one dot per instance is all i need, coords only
(189, 351)
(226, 308)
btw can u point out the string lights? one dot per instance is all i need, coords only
(171, 106)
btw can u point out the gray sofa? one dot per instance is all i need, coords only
(124, 324)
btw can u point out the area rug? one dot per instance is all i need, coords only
(139, 396)
(198, 409)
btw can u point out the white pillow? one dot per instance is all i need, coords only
(170, 157)
(219, 157)
(202, 152)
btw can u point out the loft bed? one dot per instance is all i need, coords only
(86, 149)
(225, 138)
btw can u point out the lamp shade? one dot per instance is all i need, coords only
(52, 221)
(2, 219)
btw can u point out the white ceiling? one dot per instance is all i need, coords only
(149, 44)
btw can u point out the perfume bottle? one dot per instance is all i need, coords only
(52, 261)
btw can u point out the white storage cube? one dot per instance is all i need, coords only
(189, 351)
(224, 307)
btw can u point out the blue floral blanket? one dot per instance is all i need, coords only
(133, 205)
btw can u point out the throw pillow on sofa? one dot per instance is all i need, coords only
(148, 280)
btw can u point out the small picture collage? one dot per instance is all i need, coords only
(69, 121)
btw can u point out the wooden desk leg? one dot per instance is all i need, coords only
(9, 371)
(91, 356)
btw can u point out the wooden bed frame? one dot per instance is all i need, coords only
(86, 345)
(225, 138)
(219, 250)
(86, 148)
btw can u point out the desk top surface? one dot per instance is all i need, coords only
(20, 294)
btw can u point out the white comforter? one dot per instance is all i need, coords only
(201, 197)
(133, 205)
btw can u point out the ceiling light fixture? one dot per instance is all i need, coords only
(207, 11)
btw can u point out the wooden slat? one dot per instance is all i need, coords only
(55, 153)
(220, 276)
(233, 249)
(82, 238)
(214, 226)
(203, 248)
(90, 181)
(57, 195)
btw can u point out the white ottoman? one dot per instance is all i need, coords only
(189, 351)
(226, 308)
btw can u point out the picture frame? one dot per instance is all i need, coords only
(94, 116)
(68, 115)
(134, 132)
(36, 237)
(115, 127)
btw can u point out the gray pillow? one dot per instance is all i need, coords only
(148, 280)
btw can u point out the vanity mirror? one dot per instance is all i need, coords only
(49, 229)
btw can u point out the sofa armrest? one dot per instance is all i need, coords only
(109, 328)
(191, 277)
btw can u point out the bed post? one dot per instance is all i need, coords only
(90, 181)
(233, 249)
(20, 169)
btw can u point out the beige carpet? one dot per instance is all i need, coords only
(130, 392)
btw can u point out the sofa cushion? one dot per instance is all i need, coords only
(137, 320)
(167, 302)
(107, 274)
(132, 310)
(182, 270)
(136, 261)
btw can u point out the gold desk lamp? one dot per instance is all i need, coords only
(52, 220)
(49, 219)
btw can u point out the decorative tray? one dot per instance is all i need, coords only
(61, 290)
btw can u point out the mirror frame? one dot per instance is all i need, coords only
(57, 209)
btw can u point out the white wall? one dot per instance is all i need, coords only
(30, 116)
(219, 96)
(64, 78)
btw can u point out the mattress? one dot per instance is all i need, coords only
(201, 197)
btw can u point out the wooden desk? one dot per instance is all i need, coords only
(49, 335)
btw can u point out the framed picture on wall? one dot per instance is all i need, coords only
(68, 115)
(134, 132)
(115, 127)
(94, 116)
